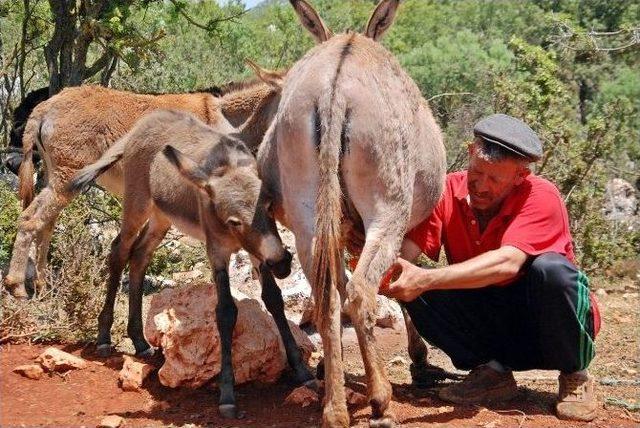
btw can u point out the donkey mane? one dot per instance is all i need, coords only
(219, 91)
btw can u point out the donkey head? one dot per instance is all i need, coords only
(379, 22)
(228, 178)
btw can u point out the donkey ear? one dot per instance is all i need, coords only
(311, 20)
(381, 19)
(271, 78)
(188, 169)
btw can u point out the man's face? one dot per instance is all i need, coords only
(489, 183)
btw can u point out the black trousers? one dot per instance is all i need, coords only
(544, 320)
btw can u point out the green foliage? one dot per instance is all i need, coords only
(540, 60)
(8, 215)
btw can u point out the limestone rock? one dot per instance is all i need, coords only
(186, 276)
(389, 314)
(111, 421)
(32, 371)
(54, 359)
(183, 323)
(133, 373)
(621, 203)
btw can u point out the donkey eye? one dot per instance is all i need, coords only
(232, 221)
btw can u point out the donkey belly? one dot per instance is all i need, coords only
(188, 228)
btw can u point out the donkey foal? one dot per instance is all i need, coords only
(212, 195)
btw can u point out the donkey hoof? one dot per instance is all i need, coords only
(312, 384)
(147, 353)
(230, 411)
(384, 422)
(103, 350)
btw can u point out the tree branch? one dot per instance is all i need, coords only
(210, 26)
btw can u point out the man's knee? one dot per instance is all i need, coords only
(553, 270)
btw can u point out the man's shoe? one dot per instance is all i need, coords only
(576, 397)
(482, 384)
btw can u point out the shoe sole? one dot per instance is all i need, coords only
(489, 397)
(590, 416)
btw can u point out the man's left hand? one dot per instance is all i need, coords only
(413, 281)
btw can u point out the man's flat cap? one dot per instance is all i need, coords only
(510, 133)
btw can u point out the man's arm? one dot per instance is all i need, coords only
(490, 268)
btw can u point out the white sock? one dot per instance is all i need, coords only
(495, 365)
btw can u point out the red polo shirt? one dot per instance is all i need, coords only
(532, 218)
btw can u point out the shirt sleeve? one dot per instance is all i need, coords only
(540, 226)
(428, 234)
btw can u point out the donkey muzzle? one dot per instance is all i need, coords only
(281, 268)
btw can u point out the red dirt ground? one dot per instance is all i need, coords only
(83, 398)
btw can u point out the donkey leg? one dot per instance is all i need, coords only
(43, 210)
(139, 259)
(417, 352)
(334, 412)
(379, 253)
(43, 241)
(226, 315)
(118, 257)
(272, 298)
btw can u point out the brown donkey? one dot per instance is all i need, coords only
(74, 128)
(215, 202)
(353, 140)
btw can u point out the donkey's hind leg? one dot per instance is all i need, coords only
(38, 216)
(384, 236)
(139, 259)
(272, 298)
(334, 413)
(43, 241)
(423, 374)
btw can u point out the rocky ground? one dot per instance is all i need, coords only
(83, 397)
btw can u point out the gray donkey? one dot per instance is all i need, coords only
(353, 141)
(215, 201)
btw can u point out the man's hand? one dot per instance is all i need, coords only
(413, 281)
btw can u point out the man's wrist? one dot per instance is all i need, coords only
(431, 279)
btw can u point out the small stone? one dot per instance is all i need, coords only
(133, 374)
(398, 361)
(601, 292)
(54, 359)
(302, 396)
(111, 421)
(32, 371)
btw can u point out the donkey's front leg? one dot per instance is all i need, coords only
(226, 314)
(272, 298)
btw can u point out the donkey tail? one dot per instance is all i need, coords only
(25, 173)
(327, 248)
(88, 174)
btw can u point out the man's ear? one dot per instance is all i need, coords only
(188, 169)
(523, 172)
